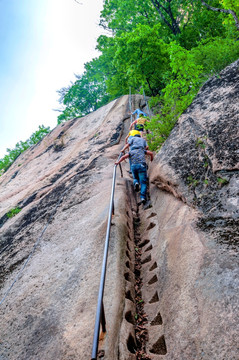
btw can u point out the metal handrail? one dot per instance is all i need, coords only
(130, 106)
(100, 314)
(147, 105)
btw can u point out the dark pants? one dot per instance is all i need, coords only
(139, 172)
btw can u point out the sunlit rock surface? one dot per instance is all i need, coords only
(50, 311)
(187, 238)
(199, 162)
(198, 233)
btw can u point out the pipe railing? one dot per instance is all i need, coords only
(100, 313)
(130, 106)
(147, 105)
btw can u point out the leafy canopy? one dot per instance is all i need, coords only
(169, 47)
(21, 146)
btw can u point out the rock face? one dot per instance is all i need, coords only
(171, 276)
(197, 239)
(199, 162)
(63, 182)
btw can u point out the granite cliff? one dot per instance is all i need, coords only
(183, 248)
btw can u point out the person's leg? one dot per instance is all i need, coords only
(130, 171)
(134, 169)
(142, 174)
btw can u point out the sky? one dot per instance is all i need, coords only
(43, 43)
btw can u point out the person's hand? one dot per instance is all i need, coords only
(116, 163)
(122, 151)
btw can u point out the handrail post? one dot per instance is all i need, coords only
(130, 106)
(147, 105)
(121, 171)
(103, 321)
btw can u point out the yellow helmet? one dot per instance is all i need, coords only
(134, 132)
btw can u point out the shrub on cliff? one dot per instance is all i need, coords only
(189, 69)
(21, 146)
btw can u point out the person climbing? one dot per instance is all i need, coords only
(139, 123)
(138, 112)
(130, 134)
(135, 141)
(139, 169)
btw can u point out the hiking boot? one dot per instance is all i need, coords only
(143, 201)
(136, 187)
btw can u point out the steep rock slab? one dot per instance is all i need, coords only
(195, 247)
(65, 182)
(199, 161)
(190, 285)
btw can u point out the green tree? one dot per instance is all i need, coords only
(229, 7)
(87, 94)
(141, 58)
(169, 47)
(182, 20)
(122, 16)
(189, 69)
(21, 146)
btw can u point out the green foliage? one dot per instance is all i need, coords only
(192, 182)
(229, 22)
(214, 54)
(123, 16)
(13, 212)
(222, 181)
(169, 48)
(21, 146)
(189, 69)
(141, 58)
(200, 143)
(87, 94)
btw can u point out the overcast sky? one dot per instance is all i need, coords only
(43, 43)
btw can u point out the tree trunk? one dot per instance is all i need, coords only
(161, 10)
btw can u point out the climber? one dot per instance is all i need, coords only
(138, 112)
(134, 141)
(139, 123)
(130, 134)
(139, 169)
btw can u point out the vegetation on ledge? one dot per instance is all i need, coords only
(21, 146)
(169, 48)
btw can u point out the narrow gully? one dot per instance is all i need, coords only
(142, 325)
(141, 332)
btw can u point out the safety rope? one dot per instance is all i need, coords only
(34, 248)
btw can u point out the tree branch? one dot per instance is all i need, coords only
(162, 16)
(226, 11)
(174, 26)
(78, 2)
